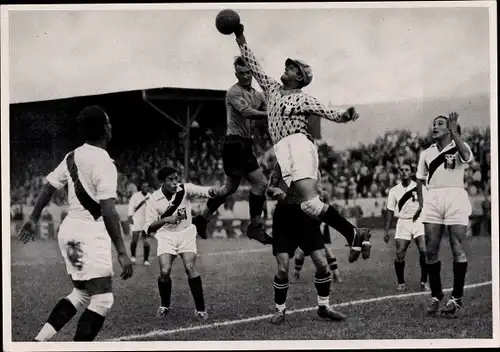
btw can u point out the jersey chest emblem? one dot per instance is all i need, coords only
(450, 162)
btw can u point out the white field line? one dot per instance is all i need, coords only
(201, 255)
(158, 333)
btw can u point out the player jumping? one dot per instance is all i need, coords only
(86, 234)
(168, 214)
(441, 167)
(402, 202)
(293, 229)
(243, 104)
(136, 218)
(288, 110)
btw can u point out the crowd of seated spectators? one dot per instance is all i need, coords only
(368, 170)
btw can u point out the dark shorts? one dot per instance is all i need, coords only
(293, 229)
(326, 235)
(238, 157)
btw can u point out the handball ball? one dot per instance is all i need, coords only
(227, 21)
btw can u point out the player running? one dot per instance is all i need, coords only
(288, 110)
(446, 203)
(136, 218)
(86, 233)
(402, 202)
(168, 214)
(243, 104)
(293, 229)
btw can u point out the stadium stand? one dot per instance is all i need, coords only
(369, 170)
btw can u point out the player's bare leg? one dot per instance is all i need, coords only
(256, 201)
(195, 284)
(165, 282)
(298, 261)
(357, 238)
(280, 284)
(229, 187)
(433, 235)
(133, 245)
(332, 263)
(101, 301)
(146, 248)
(136, 235)
(399, 262)
(322, 281)
(420, 242)
(457, 237)
(62, 313)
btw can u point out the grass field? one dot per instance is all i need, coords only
(237, 277)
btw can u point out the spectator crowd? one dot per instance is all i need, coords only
(368, 170)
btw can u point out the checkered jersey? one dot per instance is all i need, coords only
(288, 111)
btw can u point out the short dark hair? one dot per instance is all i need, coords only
(407, 163)
(440, 117)
(165, 172)
(91, 122)
(459, 128)
(238, 61)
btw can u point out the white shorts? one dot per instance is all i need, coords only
(86, 249)
(406, 229)
(137, 226)
(447, 206)
(298, 158)
(176, 242)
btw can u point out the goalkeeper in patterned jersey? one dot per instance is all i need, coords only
(288, 111)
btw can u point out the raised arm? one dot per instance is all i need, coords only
(311, 106)
(238, 102)
(264, 81)
(463, 148)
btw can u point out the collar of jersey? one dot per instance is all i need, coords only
(89, 146)
(290, 91)
(448, 146)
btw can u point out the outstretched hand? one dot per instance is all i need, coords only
(240, 38)
(453, 122)
(28, 231)
(351, 114)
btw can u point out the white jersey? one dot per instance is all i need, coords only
(137, 209)
(91, 177)
(443, 169)
(403, 201)
(159, 206)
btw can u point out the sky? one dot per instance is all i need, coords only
(358, 56)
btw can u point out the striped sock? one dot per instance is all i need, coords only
(332, 263)
(322, 283)
(280, 291)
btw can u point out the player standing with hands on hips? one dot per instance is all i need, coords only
(288, 109)
(86, 234)
(403, 203)
(441, 167)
